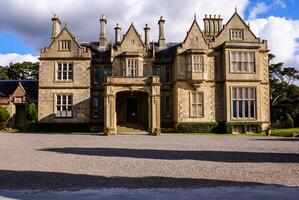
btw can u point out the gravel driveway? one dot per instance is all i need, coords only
(70, 162)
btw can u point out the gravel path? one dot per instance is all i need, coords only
(63, 162)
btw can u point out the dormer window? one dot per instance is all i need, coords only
(64, 45)
(236, 34)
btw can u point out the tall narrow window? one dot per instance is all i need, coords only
(96, 75)
(64, 45)
(196, 104)
(64, 71)
(95, 107)
(242, 61)
(243, 103)
(197, 63)
(132, 67)
(156, 71)
(167, 106)
(167, 74)
(64, 105)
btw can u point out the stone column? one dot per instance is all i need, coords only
(109, 110)
(155, 108)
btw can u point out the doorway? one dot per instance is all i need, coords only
(132, 110)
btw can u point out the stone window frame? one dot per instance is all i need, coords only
(244, 64)
(61, 105)
(62, 71)
(199, 103)
(236, 34)
(64, 45)
(131, 68)
(95, 108)
(239, 97)
(196, 60)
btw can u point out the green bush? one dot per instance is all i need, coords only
(32, 113)
(197, 127)
(245, 126)
(4, 117)
(289, 123)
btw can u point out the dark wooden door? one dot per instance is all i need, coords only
(132, 110)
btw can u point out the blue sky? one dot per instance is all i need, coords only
(23, 33)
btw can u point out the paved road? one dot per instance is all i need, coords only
(75, 162)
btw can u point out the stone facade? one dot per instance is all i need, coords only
(219, 74)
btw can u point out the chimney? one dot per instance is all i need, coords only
(103, 23)
(117, 33)
(213, 25)
(146, 35)
(161, 42)
(55, 27)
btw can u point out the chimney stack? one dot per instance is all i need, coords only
(117, 34)
(103, 23)
(55, 26)
(146, 35)
(213, 25)
(161, 42)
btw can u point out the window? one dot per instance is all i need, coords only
(197, 63)
(96, 75)
(95, 106)
(167, 74)
(132, 67)
(156, 71)
(167, 106)
(64, 71)
(242, 61)
(196, 99)
(64, 45)
(236, 34)
(243, 103)
(64, 105)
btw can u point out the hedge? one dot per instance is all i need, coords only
(215, 127)
(197, 127)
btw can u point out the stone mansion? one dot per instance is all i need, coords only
(217, 74)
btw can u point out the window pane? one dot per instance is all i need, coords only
(246, 109)
(234, 108)
(194, 111)
(252, 109)
(58, 100)
(240, 108)
(70, 100)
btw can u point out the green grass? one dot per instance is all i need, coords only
(218, 134)
(284, 132)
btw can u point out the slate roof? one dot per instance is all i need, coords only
(7, 87)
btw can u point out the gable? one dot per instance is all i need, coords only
(132, 41)
(19, 91)
(236, 23)
(195, 38)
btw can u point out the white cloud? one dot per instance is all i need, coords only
(5, 59)
(280, 3)
(281, 34)
(31, 19)
(259, 8)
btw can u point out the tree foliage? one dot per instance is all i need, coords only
(19, 71)
(32, 113)
(4, 115)
(284, 96)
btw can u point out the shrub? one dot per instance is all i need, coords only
(4, 117)
(289, 123)
(197, 127)
(32, 113)
(245, 126)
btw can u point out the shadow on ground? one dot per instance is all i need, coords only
(215, 156)
(279, 139)
(63, 181)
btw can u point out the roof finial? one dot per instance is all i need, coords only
(194, 16)
(236, 9)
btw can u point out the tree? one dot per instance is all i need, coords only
(4, 117)
(32, 113)
(25, 71)
(281, 80)
(3, 73)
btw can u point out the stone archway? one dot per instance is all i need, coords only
(118, 85)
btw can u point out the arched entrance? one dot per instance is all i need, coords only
(132, 109)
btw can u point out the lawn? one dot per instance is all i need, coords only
(284, 132)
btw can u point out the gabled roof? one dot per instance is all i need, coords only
(65, 28)
(195, 24)
(240, 18)
(8, 87)
(135, 31)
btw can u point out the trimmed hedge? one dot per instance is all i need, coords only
(197, 127)
(216, 127)
(229, 126)
(60, 127)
